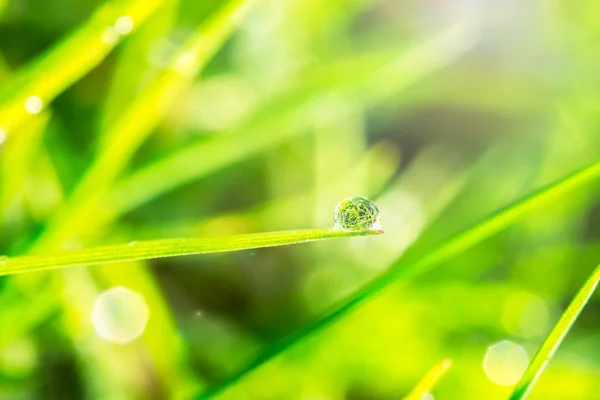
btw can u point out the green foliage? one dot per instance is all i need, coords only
(126, 125)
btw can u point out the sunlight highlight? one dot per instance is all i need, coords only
(120, 315)
(110, 35)
(3, 135)
(33, 105)
(124, 25)
(505, 362)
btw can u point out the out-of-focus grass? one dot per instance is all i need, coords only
(555, 337)
(442, 113)
(429, 380)
(49, 75)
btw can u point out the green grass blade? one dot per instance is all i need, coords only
(168, 248)
(69, 60)
(429, 380)
(450, 248)
(555, 337)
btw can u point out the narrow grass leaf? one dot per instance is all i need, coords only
(168, 248)
(450, 248)
(69, 60)
(555, 337)
(429, 380)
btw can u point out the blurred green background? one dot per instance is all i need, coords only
(441, 111)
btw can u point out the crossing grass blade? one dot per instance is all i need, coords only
(429, 380)
(448, 249)
(555, 337)
(168, 248)
(65, 63)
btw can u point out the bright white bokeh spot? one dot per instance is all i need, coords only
(505, 362)
(427, 396)
(124, 25)
(110, 35)
(120, 315)
(33, 105)
(3, 135)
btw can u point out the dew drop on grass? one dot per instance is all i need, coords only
(356, 213)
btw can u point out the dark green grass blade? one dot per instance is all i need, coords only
(555, 337)
(168, 248)
(450, 248)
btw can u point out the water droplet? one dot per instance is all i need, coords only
(505, 362)
(33, 105)
(120, 315)
(356, 213)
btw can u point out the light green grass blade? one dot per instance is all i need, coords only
(555, 337)
(168, 248)
(450, 248)
(69, 60)
(429, 380)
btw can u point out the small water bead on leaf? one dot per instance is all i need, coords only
(356, 213)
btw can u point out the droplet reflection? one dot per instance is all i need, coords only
(505, 362)
(120, 315)
(356, 214)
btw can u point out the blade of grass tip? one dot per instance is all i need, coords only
(138, 121)
(555, 337)
(72, 58)
(450, 248)
(168, 248)
(429, 380)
